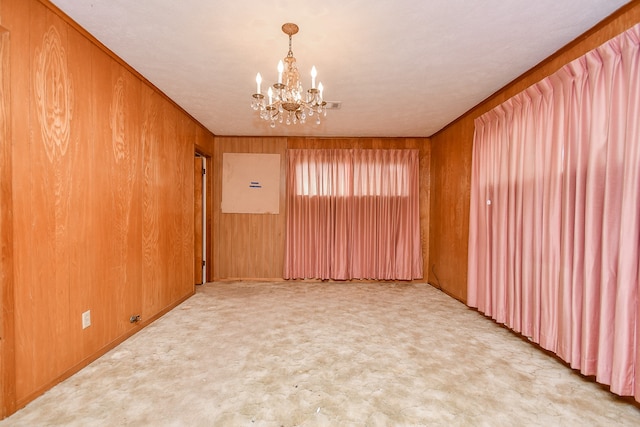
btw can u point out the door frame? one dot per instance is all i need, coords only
(207, 272)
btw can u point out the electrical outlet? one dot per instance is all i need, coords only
(86, 319)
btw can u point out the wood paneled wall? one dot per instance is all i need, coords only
(247, 246)
(251, 246)
(7, 335)
(451, 158)
(97, 199)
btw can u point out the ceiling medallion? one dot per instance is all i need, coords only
(286, 101)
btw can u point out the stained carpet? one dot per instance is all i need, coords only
(325, 354)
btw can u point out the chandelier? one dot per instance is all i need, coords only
(286, 101)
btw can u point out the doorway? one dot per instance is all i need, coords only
(200, 219)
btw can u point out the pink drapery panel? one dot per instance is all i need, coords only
(353, 214)
(554, 237)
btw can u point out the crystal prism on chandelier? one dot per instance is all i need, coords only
(286, 101)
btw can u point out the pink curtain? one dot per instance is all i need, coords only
(554, 239)
(353, 214)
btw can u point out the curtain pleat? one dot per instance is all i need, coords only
(353, 214)
(554, 237)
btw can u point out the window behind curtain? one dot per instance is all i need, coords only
(369, 185)
(353, 214)
(554, 227)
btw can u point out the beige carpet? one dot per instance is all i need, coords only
(325, 354)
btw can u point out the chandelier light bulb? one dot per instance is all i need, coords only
(314, 73)
(320, 89)
(270, 93)
(258, 81)
(280, 70)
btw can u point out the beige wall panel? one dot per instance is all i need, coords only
(451, 158)
(250, 183)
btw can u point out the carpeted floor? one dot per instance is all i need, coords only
(325, 354)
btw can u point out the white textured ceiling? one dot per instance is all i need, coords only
(400, 68)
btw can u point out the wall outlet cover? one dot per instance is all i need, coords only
(86, 319)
